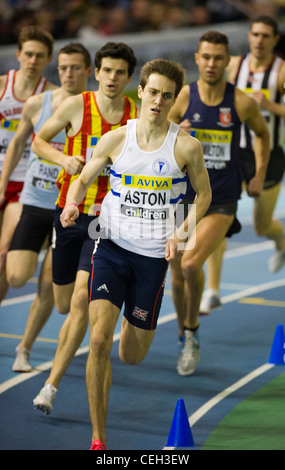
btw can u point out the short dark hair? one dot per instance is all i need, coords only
(171, 70)
(77, 48)
(117, 50)
(214, 37)
(266, 20)
(35, 33)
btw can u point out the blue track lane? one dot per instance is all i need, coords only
(235, 341)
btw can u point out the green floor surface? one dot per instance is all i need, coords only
(257, 423)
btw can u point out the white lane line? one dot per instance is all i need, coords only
(248, 249)
(172, 316)
(234, 286)
(19, 378)
(247, 378)
(226, 299)
(247, 291)
(253, 290)
(232, 253)
(164, 319)
(18, 300)
(225, 393)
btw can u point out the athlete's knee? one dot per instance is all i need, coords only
(261, 229)
(131, 357)
(63, 296)
(80, 296)
(15, 278)
(62, 308)
(100, 344)
(177, 285)
(15, 281)
(62, 303)
(134, 345)
(190, 267)
(18, 270)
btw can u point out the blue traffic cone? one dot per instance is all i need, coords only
(277, 354)
(180, 434)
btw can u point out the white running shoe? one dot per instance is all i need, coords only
(276, 261)
(44, 400)
(21, 362)
(189, 356)
(181, 341)
(210, 301)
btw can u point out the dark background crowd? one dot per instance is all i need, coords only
(69, 19)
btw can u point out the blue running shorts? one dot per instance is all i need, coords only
(72, 248)
(121, 276)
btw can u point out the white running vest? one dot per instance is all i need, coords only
(267, 82)
(10, 116)
(138, 212)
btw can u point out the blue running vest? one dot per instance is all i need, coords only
(40, 188)
(218, 130)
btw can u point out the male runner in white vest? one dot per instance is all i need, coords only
(149, 158)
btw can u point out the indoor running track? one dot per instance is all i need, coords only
(233, 388)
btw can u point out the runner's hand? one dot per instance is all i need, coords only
(254, 187)
(73, 165)
(69, 215)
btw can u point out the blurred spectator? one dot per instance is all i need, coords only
(116, 22)
(175, 18)
(157, 15)
(72, 26)
(139, 12)
(200, 15)
(224, 10)
(84, 18)
(93, 20)
(45, 19)
(13, 26)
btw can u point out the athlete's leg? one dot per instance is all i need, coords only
(62, 296)
(21, 265)
(134, 343)
(210, 232)
(31, 235)
(10, 219)
(211, 294)
(264, 223)
(42, 306)
(179, 293)
(103, 317)
(73, 329)
(214, 266)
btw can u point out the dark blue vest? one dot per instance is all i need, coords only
(218, 130)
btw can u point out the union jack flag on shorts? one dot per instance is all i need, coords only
(140, 313)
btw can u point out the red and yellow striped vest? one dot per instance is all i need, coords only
(83, 143)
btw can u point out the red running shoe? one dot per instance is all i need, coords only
(98, 445)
